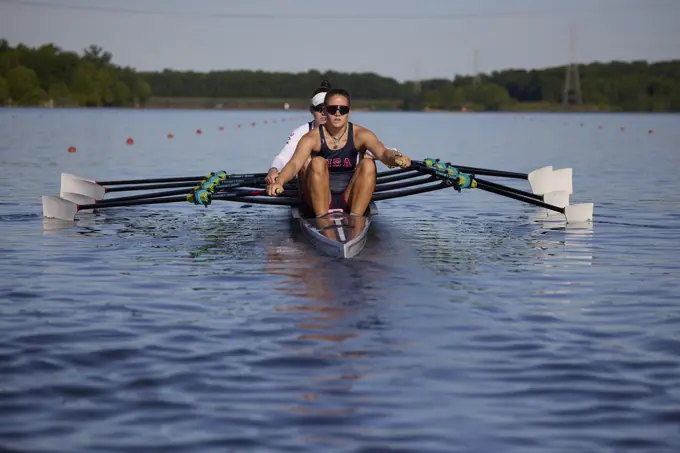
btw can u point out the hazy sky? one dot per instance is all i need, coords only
(396, 38)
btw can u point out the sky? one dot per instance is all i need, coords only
(406, 40)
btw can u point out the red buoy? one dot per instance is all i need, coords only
(171, 136)
(199, 132)
(221, 128)
(129, 141)
(72, 149)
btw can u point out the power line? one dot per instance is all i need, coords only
(269, 16)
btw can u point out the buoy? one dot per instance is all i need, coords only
(623, 128)
(72, 149)
(221, 128)
(199, 132)
(253, 123)
(171, 136)
(650, 131)
(129, 141)
(238, 125)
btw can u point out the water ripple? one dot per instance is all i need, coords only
(469, 323)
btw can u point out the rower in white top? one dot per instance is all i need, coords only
(316, 109)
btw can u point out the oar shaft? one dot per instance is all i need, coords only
(151, 187)
(402, 193)
(145, 196)
(122, 182)
(405, 184)
(483, 186)
(115, 204)
(510, 189)
(150, 181)
(489, 172)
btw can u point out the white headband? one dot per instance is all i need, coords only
(318, 99)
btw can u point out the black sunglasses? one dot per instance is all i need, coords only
(333, 109)
(317, 109)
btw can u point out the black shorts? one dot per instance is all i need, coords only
(338, 201)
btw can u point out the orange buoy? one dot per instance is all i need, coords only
(72, 149)
(129, 141)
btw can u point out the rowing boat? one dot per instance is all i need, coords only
(337, 233)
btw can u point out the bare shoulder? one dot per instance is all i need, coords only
(363, 135)
(312, 139)
(359, 129)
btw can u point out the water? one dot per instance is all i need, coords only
(469, 323)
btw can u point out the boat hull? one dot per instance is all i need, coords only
(341, 238)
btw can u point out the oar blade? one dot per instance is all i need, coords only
(58, 208)
(71, 176)
(79, 200)
(561, 180)
(579, 213)
(558, 198)
(82, 187)
(541, 180)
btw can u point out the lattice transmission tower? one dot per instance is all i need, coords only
(476, 80)
(572, 80)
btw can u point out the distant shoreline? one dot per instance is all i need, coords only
(359, 105)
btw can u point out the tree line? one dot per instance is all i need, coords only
(47, 75)
(34, 76)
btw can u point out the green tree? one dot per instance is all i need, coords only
(4, 92)
(61, 95)
(22, 81)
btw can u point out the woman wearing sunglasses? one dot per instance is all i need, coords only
(338, 175)
(317, 111)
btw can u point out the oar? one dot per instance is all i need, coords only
(575, 213)
(67, 177)
(66, 209)
(72, 184)
(542, 180)
(557, 198)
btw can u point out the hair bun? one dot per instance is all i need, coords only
(325, 84)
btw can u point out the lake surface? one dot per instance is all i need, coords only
(469, 323)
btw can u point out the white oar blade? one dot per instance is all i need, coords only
(561, 180)
(541, 180)
(559, 199)
(67, 177)
(79, 200)
(578, 213)
(58, 208)
(82, 187)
